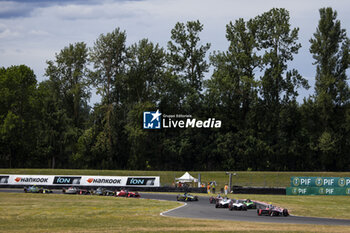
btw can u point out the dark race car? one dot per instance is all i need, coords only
(70, 190)
(186, 197)
(250, 204)
(35, 189)
(223, 203)
(271, 210)
(214, 200)
(237, 205)
(126, 193)
(98, 191)
(107, 192)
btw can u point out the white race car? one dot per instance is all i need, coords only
(223, 203)
(237, 205)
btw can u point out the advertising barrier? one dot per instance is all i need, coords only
(54, 180)
(317, 191)
(340, 182)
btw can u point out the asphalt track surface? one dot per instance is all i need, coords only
(202, 209)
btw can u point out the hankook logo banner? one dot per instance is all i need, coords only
(29, 180)
(117, 181)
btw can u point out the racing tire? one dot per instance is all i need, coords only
(177, 198)
(216, 205)
(195, 198)
(285, 212)
(25, 190)
(259, 212)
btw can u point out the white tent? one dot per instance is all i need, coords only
(186, 178)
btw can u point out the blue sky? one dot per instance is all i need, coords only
(31, 32)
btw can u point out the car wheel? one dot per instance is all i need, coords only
(216, 206)
(285, 213)
(259, 212)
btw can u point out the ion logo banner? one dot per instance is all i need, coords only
(141, 181)
(152, 120)
(4, 179)
(67, 180)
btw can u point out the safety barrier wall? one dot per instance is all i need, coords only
(341, 182)
(93, 181)
(317, 191)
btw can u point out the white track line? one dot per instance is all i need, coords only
(165, 212)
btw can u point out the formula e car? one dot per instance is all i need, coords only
(107, 192)
(186, 197)
(237, 205)
(223, 203)
(98, 191)
(250, 204)
(214, 200)
(35, 189)
(271, 210)
(126, 193)
(70, 190)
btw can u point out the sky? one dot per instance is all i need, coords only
(32, 32)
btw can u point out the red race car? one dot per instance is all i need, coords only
(126, 193)
(271, 210)
(214, 200)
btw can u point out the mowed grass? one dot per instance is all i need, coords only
(242, 178)
(71, 213)
(311, 206)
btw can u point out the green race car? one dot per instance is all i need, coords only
(250, 204)
(186, 197)
(35, 189)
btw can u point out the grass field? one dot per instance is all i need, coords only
(69, 213)
(242, 178)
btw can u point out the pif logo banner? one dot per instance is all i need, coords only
(320, 181)
(152, 120)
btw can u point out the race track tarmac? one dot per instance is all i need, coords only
(202, 209)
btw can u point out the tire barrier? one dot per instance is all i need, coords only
(258, 190)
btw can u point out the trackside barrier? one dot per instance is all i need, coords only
(340, 182)
(258, 190)
(92, 181)
(317, 191)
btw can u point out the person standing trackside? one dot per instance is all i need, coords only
(208, 188)
(226, 189)
(213, 187)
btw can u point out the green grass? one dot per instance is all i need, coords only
(312, 206)
(21, 212)
(243, 178)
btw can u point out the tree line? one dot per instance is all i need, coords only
(251, 89)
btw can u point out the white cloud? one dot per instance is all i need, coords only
(50, 27)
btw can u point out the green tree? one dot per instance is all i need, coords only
(108, 56)
(17, 115)
(277, 44)
(70, 71)
(187, 60)
(232, 92)
(330, 49)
